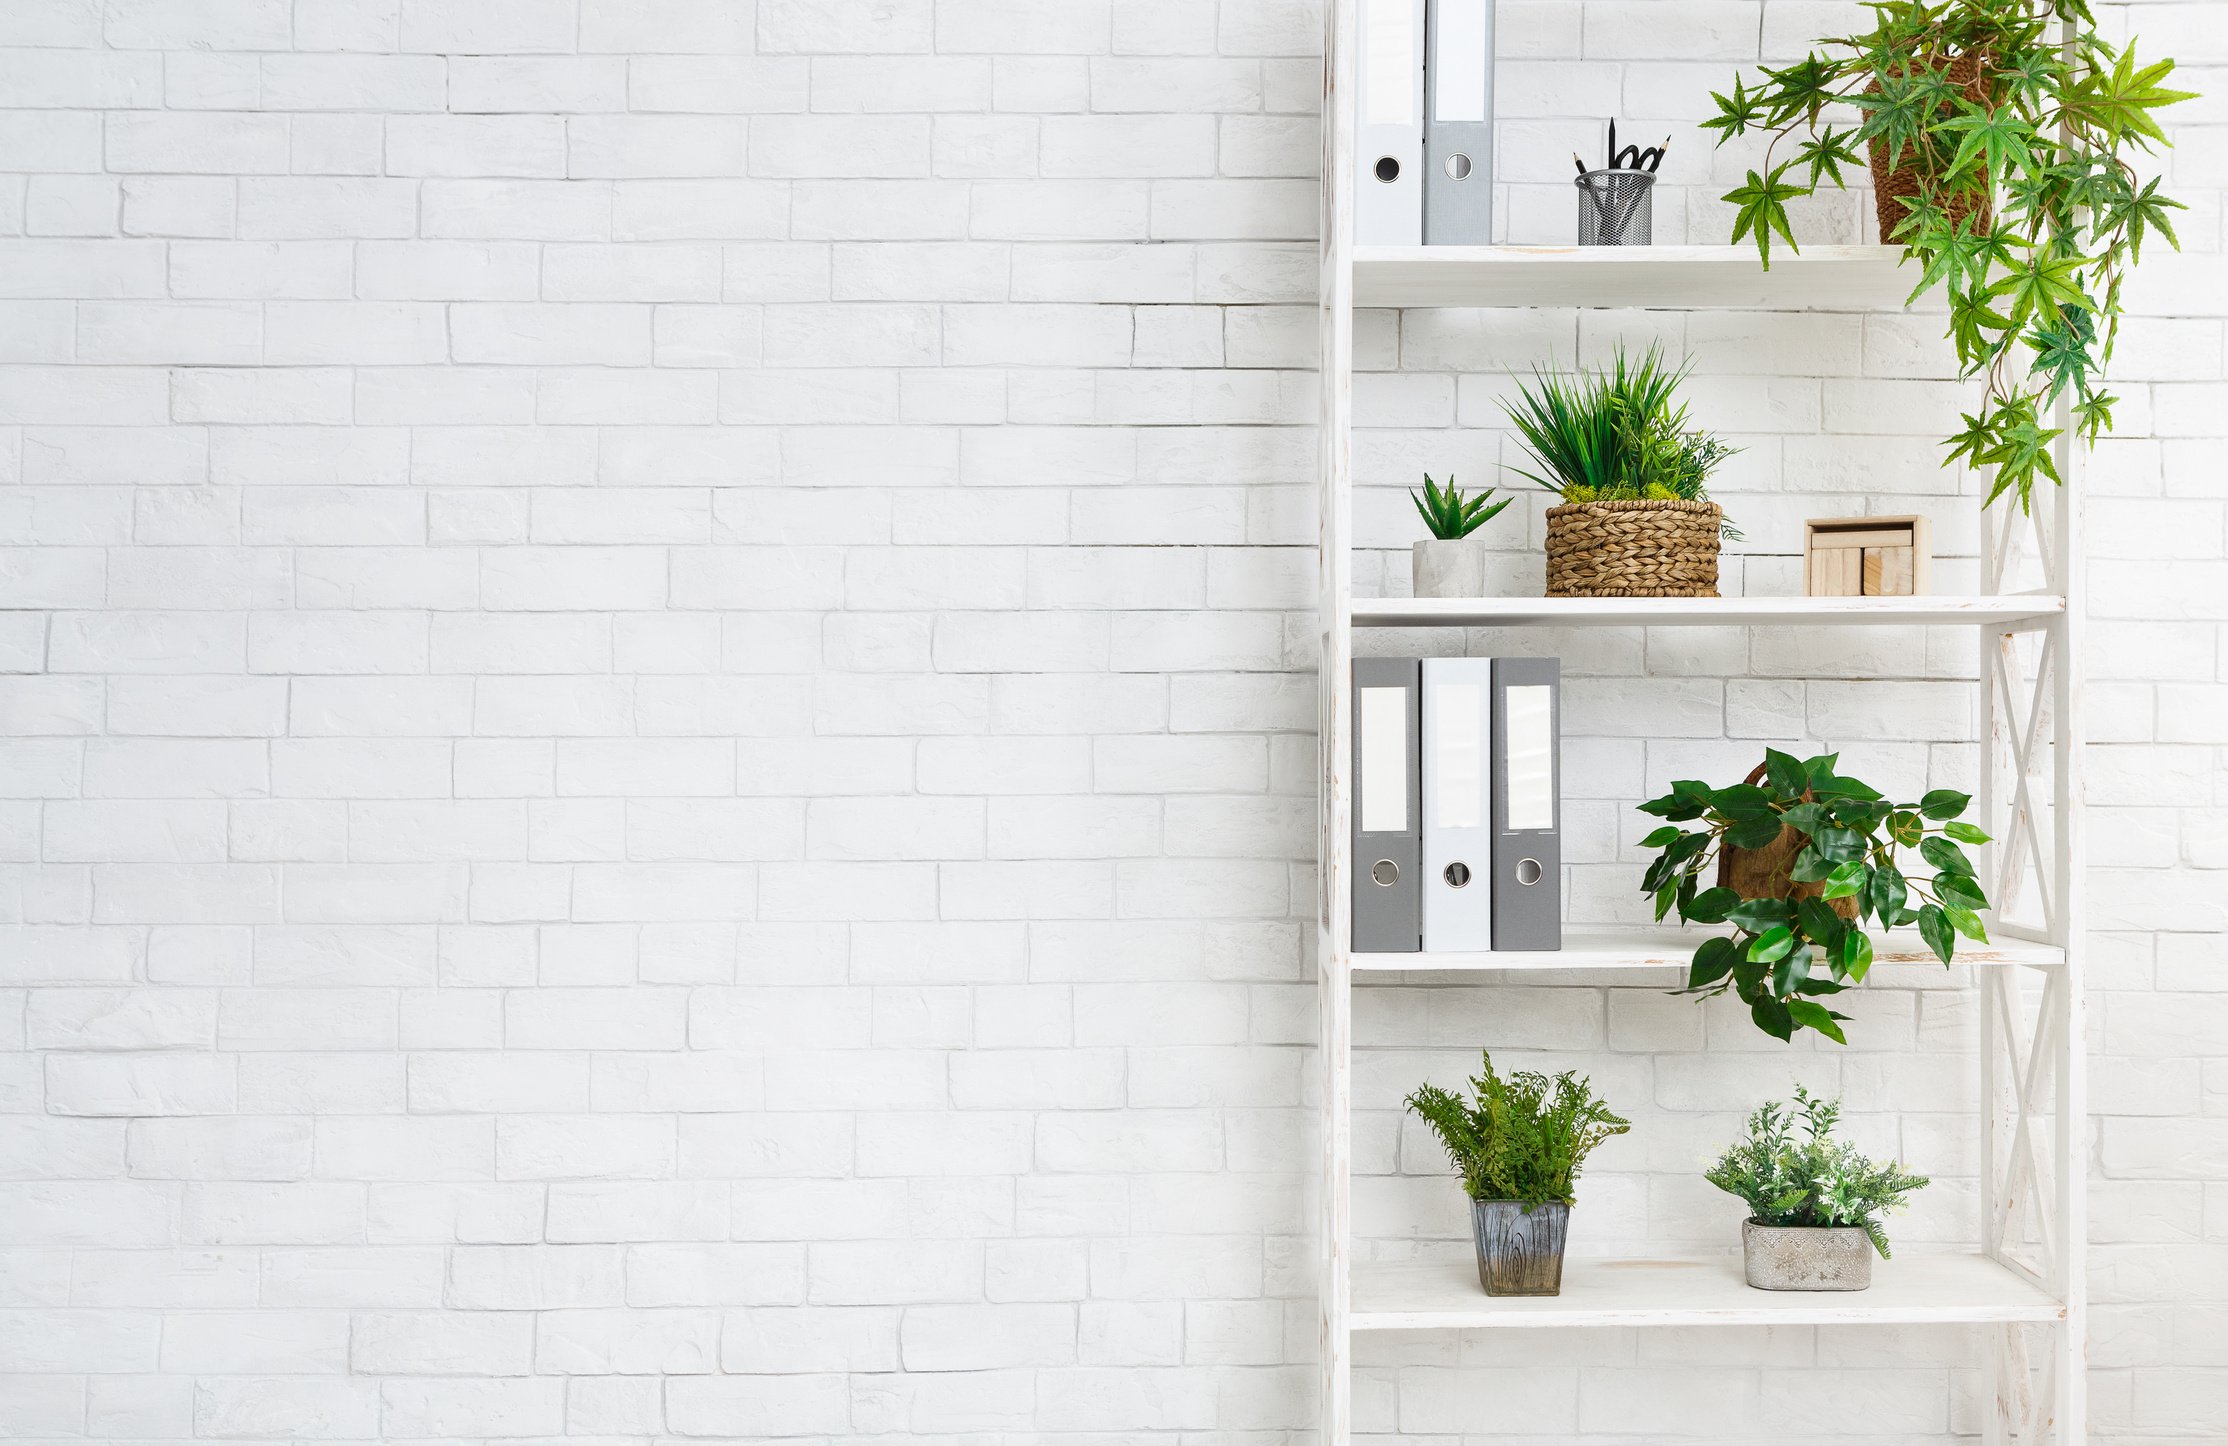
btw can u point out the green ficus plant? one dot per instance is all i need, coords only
(1520, 1138)
(1811, 1180)
(1792, 947)
(1449, 514)
(2027, 208)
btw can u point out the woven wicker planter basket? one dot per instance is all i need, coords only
(1633, 549)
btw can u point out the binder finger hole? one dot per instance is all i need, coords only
(1457, 874)
(1388, 169)
(1384, 873)
(1527, 871)
(1458, 167)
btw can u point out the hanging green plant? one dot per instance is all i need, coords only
(2001, 159)
(1806, 858)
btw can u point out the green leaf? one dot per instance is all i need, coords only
(1944, 803)
(1965, 833)
(1819, 921)
(1854, 957)
(1806, 818)
(2040, 284)
(1994, 136)
(1784, 772)
(1659, 837)
(2118, 102)
(1959, 889)
(1887, 894)
(1826, 153)
(1760, 915)
(1966, 922)
(1773, 1017)
(1754, 833)
(1818, 1017)
(1847, 880)
(1773, 944)
(1935, 929)
(1837, 787)
(1906, 828)
(1811, 867)
(1838, 845)
(1735, 113)
(1791, 970)
(1712, 962)
(1761, 206)
(1711, 906)
(1946, 856)
(1744, 800)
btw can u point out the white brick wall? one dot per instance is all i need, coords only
(657, 710)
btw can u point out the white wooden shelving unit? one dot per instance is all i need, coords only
(2023, 1282)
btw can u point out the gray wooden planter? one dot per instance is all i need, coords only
(1520, 1252)
(1806, 1257)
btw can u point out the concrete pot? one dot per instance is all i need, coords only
(1520, 1251)
(1500, 572)
(1806, 1257)
(1455, 568)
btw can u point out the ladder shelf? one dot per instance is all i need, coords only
(2025, 1288)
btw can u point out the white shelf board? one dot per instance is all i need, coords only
(1667, 948)
(1911, 1289)
(1672, 612)
(1819, 278)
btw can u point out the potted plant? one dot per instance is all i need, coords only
(1519, 1144)
(2000, 157)
(1451, 562)
(1806, 857)
(1635, 519)
(1814, 1203)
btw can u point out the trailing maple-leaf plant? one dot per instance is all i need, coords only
(2012, 186)
(1831, 867)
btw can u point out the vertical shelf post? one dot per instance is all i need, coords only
(1334, 560)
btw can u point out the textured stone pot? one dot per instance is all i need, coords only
(1520, 1252)
(1453, 568)
(1469, 568)
(1806, 1257)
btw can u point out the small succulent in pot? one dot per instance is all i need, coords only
(1519, 1144)
(1449, 514)
(1806, 858)
(1814, 1202)
(1452, 563)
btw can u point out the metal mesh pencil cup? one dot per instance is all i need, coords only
(1614, 207)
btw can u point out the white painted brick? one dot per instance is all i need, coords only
(637, 146)
(482, 1407)
(312, 333)
(663, 25)
(499, 27)
(844, 26)
(351, 82)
